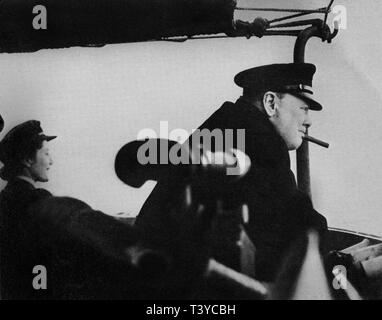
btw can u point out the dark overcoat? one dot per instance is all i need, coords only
(17, 254)
(278, 212)
(86, 253)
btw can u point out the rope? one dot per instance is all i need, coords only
(292, 16)
(327, 11)
(294, 33)
(282, 10)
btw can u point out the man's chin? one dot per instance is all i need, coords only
(294, 146)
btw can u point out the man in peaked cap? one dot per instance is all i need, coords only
(26, 160)
(273, 110)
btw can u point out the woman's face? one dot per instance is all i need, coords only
(41, 164)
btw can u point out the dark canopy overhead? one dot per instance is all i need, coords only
(99, 22)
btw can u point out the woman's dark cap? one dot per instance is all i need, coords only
(17, 140)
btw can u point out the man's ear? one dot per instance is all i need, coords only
(269, 102)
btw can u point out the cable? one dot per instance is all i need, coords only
(328, 10)
(293, 16)
(282, 10)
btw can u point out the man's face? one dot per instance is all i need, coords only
(41, 164)
(291, 120)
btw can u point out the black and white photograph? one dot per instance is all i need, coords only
(204, 151)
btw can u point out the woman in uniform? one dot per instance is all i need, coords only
(26, 160)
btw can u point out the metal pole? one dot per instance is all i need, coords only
(302, 156)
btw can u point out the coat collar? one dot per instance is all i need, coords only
(273, 147)
(258, 118)
(26, 179)
(18, 181)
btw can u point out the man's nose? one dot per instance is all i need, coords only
(50, 161)
(308, 121)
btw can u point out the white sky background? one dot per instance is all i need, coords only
(97, 99)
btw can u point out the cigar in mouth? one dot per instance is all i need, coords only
(316, 141)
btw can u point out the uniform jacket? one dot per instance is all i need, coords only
(278, 212)
(17, 257)
(86, 253)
